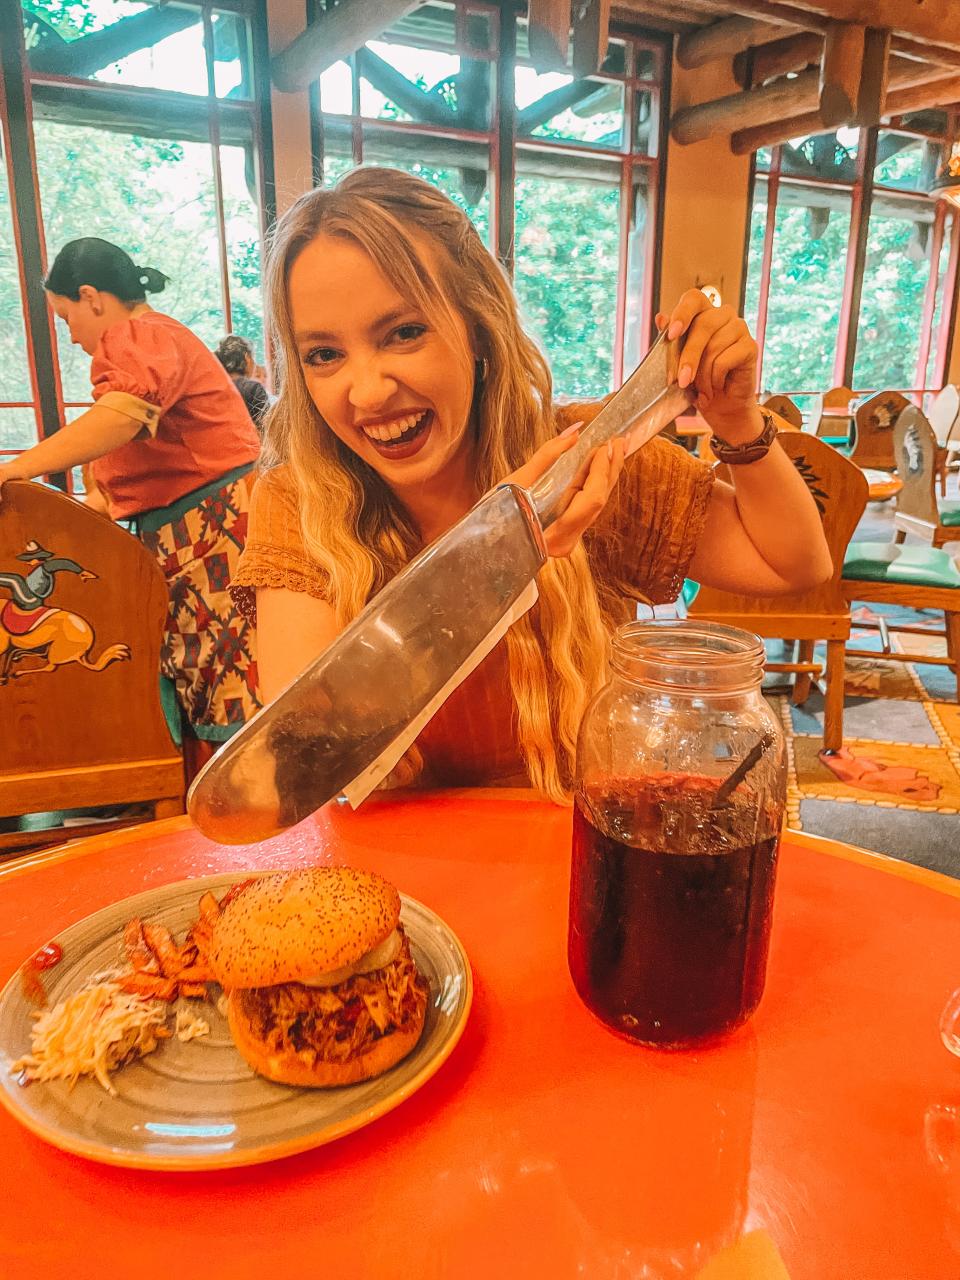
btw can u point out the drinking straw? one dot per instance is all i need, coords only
(743, 768)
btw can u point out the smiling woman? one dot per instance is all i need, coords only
(409, 389)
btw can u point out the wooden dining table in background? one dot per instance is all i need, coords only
(814, 1142)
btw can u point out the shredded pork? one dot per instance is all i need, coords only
(336, 1024)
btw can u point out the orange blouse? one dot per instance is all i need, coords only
(639, 551)
(195, 425)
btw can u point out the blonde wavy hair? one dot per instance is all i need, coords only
(351, 522)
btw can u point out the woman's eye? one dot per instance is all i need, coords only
(321, 355)
(409, 332)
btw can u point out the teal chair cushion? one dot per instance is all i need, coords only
(906, 566)
(950, 514)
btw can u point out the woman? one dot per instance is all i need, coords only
(236, 356)
(172, 449)
(409, 389)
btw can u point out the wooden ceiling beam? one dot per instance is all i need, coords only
(933, 93)
(767, 61)
(927, 52)
(334, 34)
(739, 111)
(935, 22)
(782, 101)
(659, 14)
(722, 39)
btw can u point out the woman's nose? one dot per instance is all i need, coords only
(371, 384)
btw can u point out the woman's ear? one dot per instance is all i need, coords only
(91, 296)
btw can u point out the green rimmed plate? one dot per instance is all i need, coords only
(198, 1105)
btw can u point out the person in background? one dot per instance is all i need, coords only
(236, 356)
(172, 450)
(408, 390)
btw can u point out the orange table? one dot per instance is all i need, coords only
(545, 1146)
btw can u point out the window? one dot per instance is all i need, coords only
(840, 198)
(18, 421)
(146, 131)
(585, 166)
(420, 99)
(585, 169)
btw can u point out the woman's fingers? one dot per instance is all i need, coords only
(721, 340)
(740, 353)
(698, 335)
(545, 457)
(587, 503)
(690, 305)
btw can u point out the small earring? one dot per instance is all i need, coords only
(481, 369)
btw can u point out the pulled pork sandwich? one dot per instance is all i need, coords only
(322, 989)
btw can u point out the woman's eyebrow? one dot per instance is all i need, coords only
(325, 335)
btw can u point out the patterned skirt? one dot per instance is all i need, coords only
(209, 649)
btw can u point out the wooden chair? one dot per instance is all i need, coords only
(785, 408)
(840, 491)
(815, 424)
(835, 429)
(82, 610)
(915, 449)
(917, 577)
(945, 421)
(873, 431)
(811, 419)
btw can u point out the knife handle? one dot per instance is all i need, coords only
(635, 411)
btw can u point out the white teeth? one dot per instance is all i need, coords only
(393, 430)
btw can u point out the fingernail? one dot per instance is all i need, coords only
(685, 376)
(675, 331)
(610, 450)
(568, 431)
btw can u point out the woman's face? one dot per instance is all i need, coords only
(391, 387)
(85, 322)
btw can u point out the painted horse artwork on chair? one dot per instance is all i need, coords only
(29, 626)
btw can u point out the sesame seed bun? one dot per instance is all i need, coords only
(289, 1067)
(293, 925)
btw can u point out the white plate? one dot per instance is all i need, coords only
(198, 1105)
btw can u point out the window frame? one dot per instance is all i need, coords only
(206, 118)
(862, 189)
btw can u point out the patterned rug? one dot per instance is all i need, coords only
(895, 786)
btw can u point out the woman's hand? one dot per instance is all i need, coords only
(588, 493)
(719, 359)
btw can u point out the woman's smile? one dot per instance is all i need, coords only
(399, 436)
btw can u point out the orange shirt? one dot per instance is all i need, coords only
(196, 426)
(638, 550)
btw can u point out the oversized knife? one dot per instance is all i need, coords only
(343, 724)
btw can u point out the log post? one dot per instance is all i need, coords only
(591, 25)
(840, 71)
(873, 81)
(548, 33)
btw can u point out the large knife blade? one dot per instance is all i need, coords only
(344, 723)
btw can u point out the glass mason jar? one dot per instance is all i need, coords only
(680, 794)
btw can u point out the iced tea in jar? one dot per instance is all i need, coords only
(680, 794)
